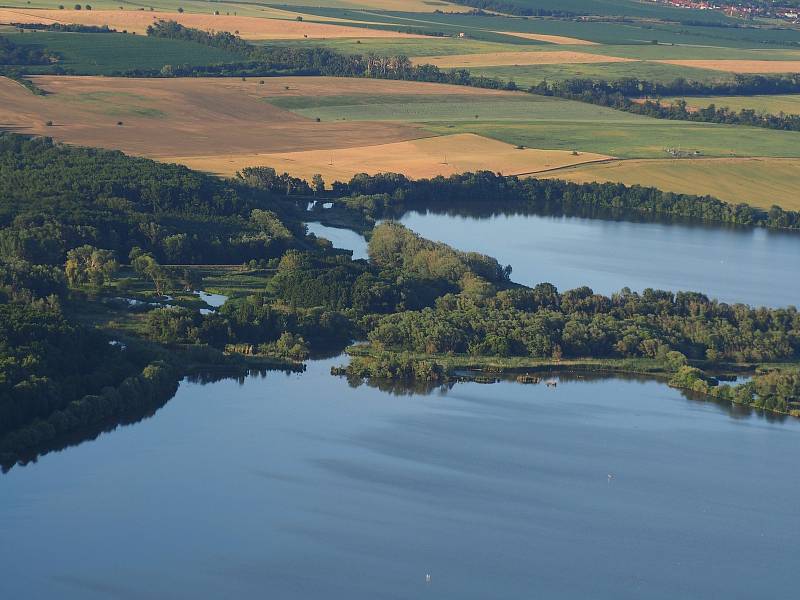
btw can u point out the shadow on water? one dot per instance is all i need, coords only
(87, 434)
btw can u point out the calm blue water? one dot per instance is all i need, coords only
(755, 266)
(301, 487)
(341, 238)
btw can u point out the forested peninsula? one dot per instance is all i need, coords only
(101, 256)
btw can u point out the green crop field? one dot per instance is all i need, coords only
(107, 53)
(643, 138)
(788, 103)
(627, 8)
(431, 46)
(551, 123)
(528, 75)
(422, 108)
(602, 32)
(680, 52)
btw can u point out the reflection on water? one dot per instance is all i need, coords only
(301, 486)
(79, 436)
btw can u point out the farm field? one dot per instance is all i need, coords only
(287, 10)
(785, 103)
(426, 46)
(560, 40)
(503, 106)
(601, 32)
(224, 124)
(108, 53)
(660, 52)
(645, 138)
(246, 27)
(426, 157)
(165, 117)
(525, 76)
(741, 66)
(558, 57)
(758, 181)
(551, 123)
(216, 119)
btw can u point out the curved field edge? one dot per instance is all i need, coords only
(760, 182)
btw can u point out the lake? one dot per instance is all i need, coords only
(300, 487)
(754, 266)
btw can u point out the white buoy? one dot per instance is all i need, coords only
(427, 578)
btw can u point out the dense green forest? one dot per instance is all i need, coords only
(541, 322)
(58, 197)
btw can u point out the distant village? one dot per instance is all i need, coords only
(743, 10)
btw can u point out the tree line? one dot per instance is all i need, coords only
(17, 55)
(512, 8)
(636, 96)
(391, 195)
(65, 27)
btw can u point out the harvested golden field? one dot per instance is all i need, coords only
(168, 117)
(427, 157)
(758, 181)
(253, 28)
(497, 59)
(740, 66)
(561, 40)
